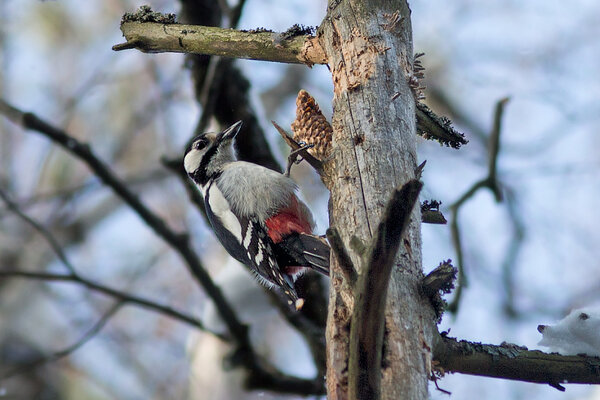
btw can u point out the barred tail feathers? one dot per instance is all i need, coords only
(308, 250)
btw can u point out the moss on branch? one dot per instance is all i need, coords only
(152, 37)
(509, 361)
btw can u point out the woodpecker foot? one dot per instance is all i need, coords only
(293, 157)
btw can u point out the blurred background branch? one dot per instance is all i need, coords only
(490, 182)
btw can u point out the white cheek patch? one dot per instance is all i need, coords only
(220, 207)
(192, 159)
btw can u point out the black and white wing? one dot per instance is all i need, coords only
(247, 241)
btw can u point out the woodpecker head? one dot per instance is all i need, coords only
(209, 152)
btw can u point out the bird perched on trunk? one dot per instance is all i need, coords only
(255, 213)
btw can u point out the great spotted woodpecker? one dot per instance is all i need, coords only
(255, 213)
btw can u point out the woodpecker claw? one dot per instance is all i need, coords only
(293, 157)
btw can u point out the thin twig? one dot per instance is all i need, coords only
(511, 255)
(122, 297)
(367, 326)
(56, 247)
(490, 182)
(295, 146)
(494, 149)
(175, 165)
(93, 331)
(293, 157)
(69, 191)
(311, 330)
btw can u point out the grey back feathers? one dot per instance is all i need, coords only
(253, 190)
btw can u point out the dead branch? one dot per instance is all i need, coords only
(367, 326)
(122, 297)
(509, 361)
(260, 44)
(434, 127)
(344, 260)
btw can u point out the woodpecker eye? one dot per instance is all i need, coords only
(200, 144)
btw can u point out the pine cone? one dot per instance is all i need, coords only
(311, 126)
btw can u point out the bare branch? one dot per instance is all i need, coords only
(122, 297)
(151, 37)
(344, 260)
(309, 328)
(76, 278)
(367, 327)
(56, 247)
(93, 331)
(509, 361)
(494, 148)
(265, 376)
(178, 242)
(490, 182)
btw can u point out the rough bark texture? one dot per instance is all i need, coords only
(509, 361)
(151, 37)
(369, 48)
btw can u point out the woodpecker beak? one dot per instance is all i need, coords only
(229, 133)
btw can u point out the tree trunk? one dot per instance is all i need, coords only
(369, 48)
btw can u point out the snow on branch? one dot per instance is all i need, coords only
(577, 333)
